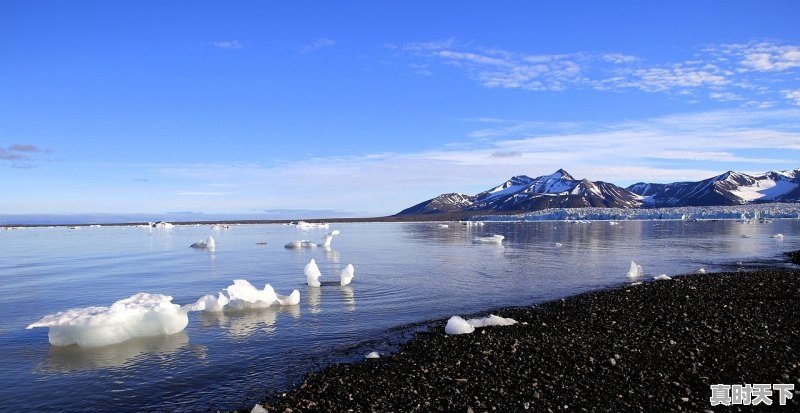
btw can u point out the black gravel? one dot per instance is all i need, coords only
(650, 347)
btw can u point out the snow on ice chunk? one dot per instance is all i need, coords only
(312, 274)
(373, 355)
(494, 239)
(207, 244)
(491, 320)
(347, 274)
(662, 277)
(140, 315)
(635, 271)
(457, 325)
(326, 243)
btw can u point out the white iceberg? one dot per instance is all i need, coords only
(296, 245)
(243, 295)
(207, 244)
(662, 277)
(494, 239)
(312, 274)
(326, 243)
(140, 315)
(346, 277)
(635, 271)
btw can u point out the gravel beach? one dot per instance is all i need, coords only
(656, 346)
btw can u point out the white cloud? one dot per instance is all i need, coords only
(317, 44)
(768, 57)
(793, 96)
(228, 45)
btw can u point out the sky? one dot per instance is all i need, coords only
(364, 108)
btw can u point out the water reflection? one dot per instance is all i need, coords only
(239, 324)
(75, 358)
(349, 297)
(314, 299)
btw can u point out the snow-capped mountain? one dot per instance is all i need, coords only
(730, 188)
(523, 193)
(561, 190)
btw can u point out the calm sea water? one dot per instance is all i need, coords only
(405, 274)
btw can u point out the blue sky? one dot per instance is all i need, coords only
(369, 107)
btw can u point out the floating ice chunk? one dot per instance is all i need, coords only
(662, 277)
(444, 226)
(457, 325)
(163, 225)
(491, 320)
(244, 295)
(373, 355)
(220, 227)
(635, 271)
(296, 245)
(207, 244)
(778, 236)
(312, 274)
(613, 223)
(326, 243)
(309, 225)
(559, 245)
(494, 239)
(258, 409)
(140, 315)
(211, 303)
(347, 274)
(701, 271)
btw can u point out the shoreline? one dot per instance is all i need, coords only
(669, 341)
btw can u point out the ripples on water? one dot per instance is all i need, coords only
(405, 274)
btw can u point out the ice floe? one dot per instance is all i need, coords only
(311, 225)
(140, 315)
(326, 240)
(312, 274)
(373, 355)
(559, 245)
(662, 277)
(346, 277)
(494, 239)
(701, 271)
(296, 245)
(443, 226)
(207, 244)
(778, 236)
(635, 271)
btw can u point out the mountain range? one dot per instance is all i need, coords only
(560, 190)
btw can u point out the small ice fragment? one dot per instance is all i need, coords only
(494, 239)
(208, 244)
(347, 274)
(613, 223)
(296, 245)
(291, 299)
(258, 409)
(701, 271)
(373, 355)
(444, 226)
(457, 325)
(635, 271)
(559, 245)
(312, 274)
(662, 277)
(491, 320)
(326, 243)
(244, 295)
(778, 236)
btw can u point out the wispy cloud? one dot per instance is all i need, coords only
(21, 152)
(668, 148)
(792, 95)
(228, 45)
(317, 44)
(739, 73)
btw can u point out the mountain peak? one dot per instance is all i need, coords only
(562, 174)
